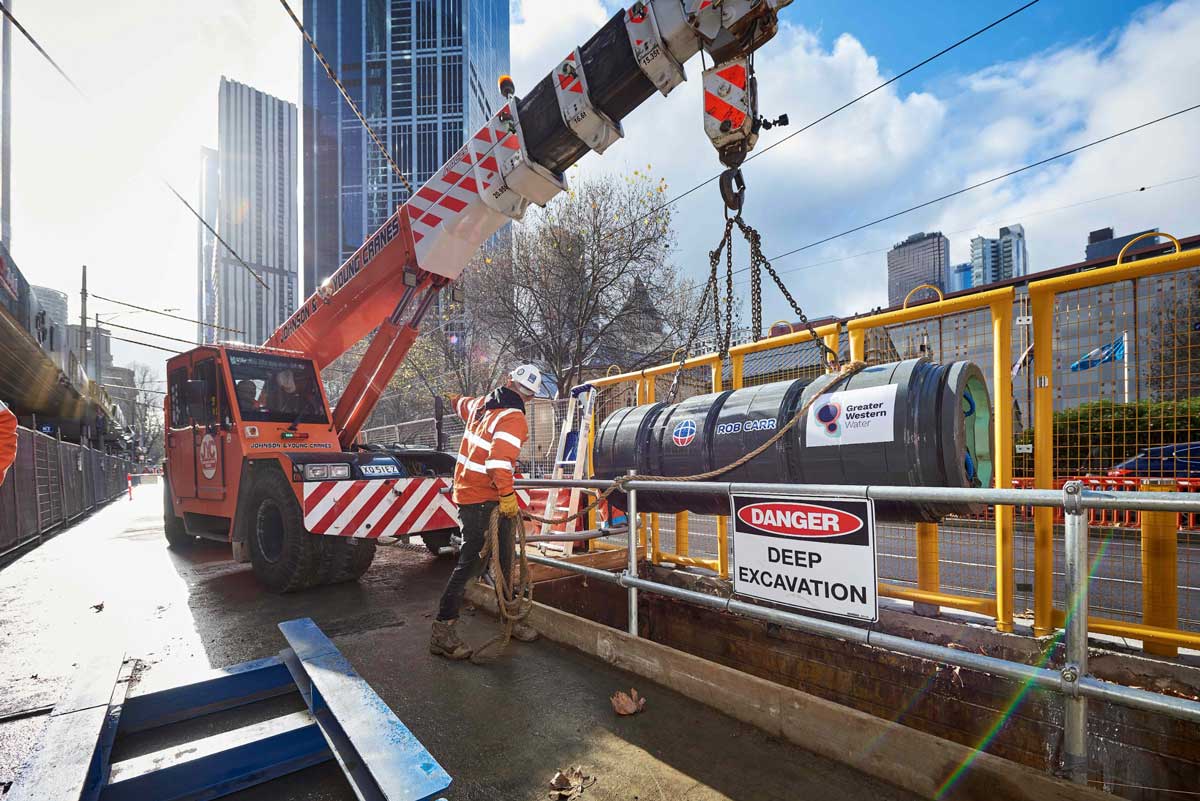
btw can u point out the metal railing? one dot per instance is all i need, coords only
(1005, 564)
(52, 483)
(1072, 681)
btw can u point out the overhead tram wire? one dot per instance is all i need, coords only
(67, 78)
(992, 180)
(145, 344)
(843, 107)
(9, 16)
(346, 96)
(1015, 215)
(165, 314)
(218, 237)
(191, 342)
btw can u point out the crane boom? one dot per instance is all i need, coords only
(519, 158)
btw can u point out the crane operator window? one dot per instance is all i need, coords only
(276, 389)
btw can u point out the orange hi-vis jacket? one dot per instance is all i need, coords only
(8, 439)
(488, 454)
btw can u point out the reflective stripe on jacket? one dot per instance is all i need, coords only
(488, 454)
(8, 439)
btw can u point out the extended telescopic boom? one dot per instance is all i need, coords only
(519, 158)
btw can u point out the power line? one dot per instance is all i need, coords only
(219, 238)
(991, 180)
(150, 333)
(1021, 215)
(67, 78)
(8, 14)
(843, 107)
(346, 96)
(145, 344)
(139, 389)
(164, 314)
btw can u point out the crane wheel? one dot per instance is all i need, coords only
(177, 537)
(435, 541)
(286, 557)
(345, 558)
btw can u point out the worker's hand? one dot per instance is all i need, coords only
(508, 506)
(453, 398)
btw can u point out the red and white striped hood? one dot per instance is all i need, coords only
(378, 508)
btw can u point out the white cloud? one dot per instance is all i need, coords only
(544, 31)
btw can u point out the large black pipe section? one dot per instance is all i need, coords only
(616, 86)
(911, 423)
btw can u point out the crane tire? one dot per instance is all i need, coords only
(285, 556)
(436, 540)
(345, 558)
(177, 537)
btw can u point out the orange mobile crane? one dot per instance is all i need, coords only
(254, 454)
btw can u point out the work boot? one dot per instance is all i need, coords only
(524, 632)
(445, 641)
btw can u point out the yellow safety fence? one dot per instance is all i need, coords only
(1003, 567)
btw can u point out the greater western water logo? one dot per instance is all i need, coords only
(683, 433)
(829, 416)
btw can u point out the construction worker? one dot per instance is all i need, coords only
(8, 439)
(483, 480)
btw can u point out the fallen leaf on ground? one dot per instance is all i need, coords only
(629, 704)
(570, 783)
(98, 607)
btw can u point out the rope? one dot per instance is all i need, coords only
(513, 600)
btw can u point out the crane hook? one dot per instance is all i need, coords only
(733, 189)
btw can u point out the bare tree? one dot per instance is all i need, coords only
(588, 281)
(146, 418)
(1174, 373)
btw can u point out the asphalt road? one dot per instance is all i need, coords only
(109, 583)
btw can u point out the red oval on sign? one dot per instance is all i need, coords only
(793, 519)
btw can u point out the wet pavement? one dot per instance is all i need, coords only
(501, 731)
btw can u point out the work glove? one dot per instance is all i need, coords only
(508, 505)
(453, 398)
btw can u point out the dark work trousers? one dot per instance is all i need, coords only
(475, 518)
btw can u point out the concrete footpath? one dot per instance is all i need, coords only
(501, 731)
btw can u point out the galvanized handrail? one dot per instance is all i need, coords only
(1072, 681)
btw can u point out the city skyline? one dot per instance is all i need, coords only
(1054, 80)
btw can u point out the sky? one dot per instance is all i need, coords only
(89, 170)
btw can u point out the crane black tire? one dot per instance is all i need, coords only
(436, 540)
(345, 558)
(177, 537)
(285, 556)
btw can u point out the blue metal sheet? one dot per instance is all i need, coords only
(71, 760)
(380, 756)
(215, 691)
(222, 764)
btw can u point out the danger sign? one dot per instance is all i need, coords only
(816, 554)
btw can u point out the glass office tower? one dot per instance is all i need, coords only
(424, 74)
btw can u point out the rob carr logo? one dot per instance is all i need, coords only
(802, 520)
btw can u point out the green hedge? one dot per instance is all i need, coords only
(1093, 437)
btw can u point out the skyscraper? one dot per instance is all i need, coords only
(6, 130)
(249, 197)
(960, 277)
(1102, 244)
(1001, 258)
(423, 72)
(921, 259)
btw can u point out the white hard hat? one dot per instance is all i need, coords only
(528, 377)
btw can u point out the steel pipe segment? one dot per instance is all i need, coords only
(910, 424)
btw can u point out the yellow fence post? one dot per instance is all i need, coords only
(1002, 457)
(1160, 586)
(833, 341)
(1042, 308)
(858, 344)
(928, 578)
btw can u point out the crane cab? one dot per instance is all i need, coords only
(252, 458)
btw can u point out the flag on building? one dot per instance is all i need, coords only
(1112, 352)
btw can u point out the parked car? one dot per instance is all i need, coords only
(1180, 460)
